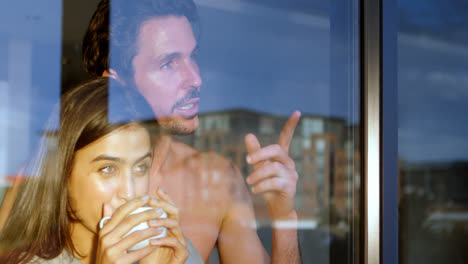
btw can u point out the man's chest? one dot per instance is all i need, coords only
(202, 198)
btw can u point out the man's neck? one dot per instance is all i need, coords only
(161, 157)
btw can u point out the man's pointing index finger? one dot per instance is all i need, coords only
(288, 131)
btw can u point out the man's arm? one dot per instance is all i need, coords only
(285, 245)
(275, 177)
(238, 241)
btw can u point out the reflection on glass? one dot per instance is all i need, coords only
(432, 134)
(30, 40)
(251, 63)
(266, 60)
(97, 164)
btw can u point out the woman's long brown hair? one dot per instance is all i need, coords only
(38, 224)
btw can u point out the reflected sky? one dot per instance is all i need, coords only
(433, 80)
(30, 68)
(275, 57)
(443, 20)
(267, 56)
(265, 59)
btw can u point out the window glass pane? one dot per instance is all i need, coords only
(432, 134)
(197, 76)
(30, 69)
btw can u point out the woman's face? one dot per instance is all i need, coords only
(112, 170)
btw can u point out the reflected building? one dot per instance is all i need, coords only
(435, 192)
(433, 211)
(324, 149)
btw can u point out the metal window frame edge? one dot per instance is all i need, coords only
(371, 84)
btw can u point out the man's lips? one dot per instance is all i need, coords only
(189, 108)
(188, 103)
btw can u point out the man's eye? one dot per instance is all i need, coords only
(167, 65)
(194, 56)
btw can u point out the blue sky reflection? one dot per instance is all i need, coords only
(432, 80)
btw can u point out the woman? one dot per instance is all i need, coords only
(99, 168)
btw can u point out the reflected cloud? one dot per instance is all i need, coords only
(432, 95)
(454, 84)
(433, 85)
(31, 20)
(247, 8)
(425, 42)
(420, 144)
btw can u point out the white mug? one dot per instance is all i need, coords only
(141, 226)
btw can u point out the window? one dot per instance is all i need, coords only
(251, 63)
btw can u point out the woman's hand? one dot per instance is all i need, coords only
(113, 246)
(172, 248)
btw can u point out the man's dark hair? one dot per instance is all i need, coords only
(114, 28)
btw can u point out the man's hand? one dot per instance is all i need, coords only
(274, 174)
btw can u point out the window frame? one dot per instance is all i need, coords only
(379, 117)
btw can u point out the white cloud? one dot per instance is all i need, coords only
(448, 77)
(243, 7)
(432, 44)
(452, 86)
(440, 85)
(418, 144)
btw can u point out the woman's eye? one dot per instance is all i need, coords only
(141, 169)
(108, 170)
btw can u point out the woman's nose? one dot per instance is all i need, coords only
(127, 187)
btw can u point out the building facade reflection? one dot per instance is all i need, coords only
(325, 150)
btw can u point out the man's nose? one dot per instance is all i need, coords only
(192, 73)
(127, 187)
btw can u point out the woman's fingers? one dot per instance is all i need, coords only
(106, 210)
(128, 223)
(172, 226)
(111, 256)
(115, 244)
(164, 196)
(180, 251)
(132, 239)
(135, 256)
(171, 210)
(116, 237)
(171, 223)
(122, 212)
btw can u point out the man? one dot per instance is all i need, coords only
(153, 47)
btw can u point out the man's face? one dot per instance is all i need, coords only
(166, 72)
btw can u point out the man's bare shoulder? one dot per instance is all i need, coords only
(208, 160)
(211, 170)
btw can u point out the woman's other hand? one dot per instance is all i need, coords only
(172, 249)
(113, 246)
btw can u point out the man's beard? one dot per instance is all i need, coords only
(177, 129)
(176, 126)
